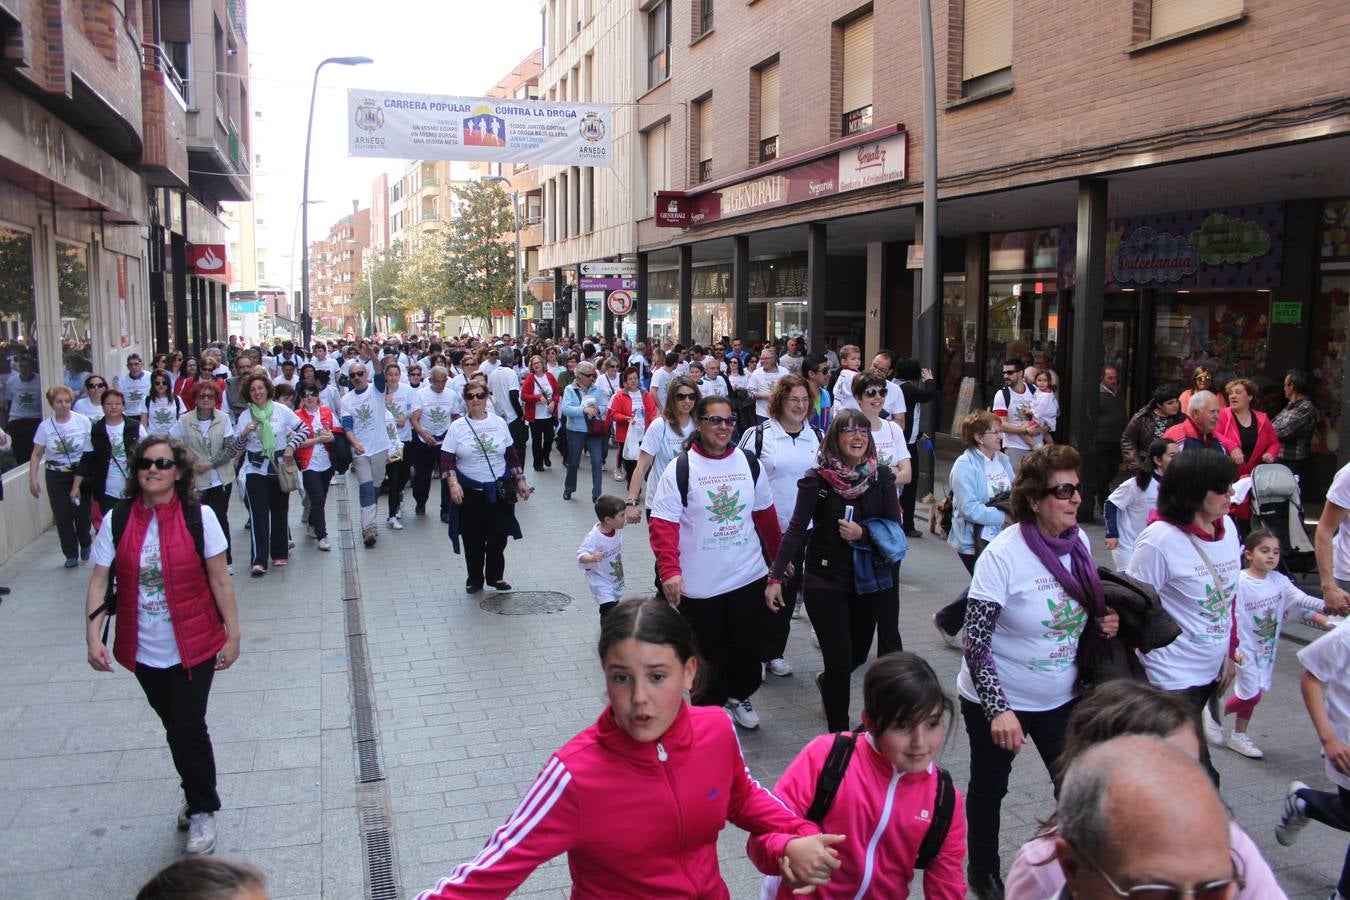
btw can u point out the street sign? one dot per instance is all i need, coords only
(600, 270)
(620, 302)
(547, 312)
(524, 313)
(608, 284)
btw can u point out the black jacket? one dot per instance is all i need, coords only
(829, 558)
(94, 464)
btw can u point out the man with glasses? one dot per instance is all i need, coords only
(1012, 405)
(365, 419)
(135, 387)
(1138, 818)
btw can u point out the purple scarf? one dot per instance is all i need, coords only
(1080, 580)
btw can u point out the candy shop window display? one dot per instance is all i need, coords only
(1225, 332)
(1329, 348)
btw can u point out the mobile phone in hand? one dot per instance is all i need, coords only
(848, 513)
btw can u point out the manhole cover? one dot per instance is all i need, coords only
(525, 603)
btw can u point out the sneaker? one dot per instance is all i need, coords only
(257, 571)
(947, 639)
(290, 544)
(1239, 743)
(743, 713)
(797, 609)
(780, 667)
(183, 817)
(395, 524)
(280, 563)
(368, 535)
(548, 462)
(398, 513)
(445, 517)
(1293, 819)
(1213, 728)
(201, 833)
(472, 588)
(618, 475)
(85, 551)
(324, 545)
(72, 562)
(311, 533)
(420, 509)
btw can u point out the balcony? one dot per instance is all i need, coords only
(164, 157)
(238, 18)
(217, 153)
(531, 235)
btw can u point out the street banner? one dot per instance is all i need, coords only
(395, 125)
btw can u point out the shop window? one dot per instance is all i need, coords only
(1225, 331)
(985, 46)
(72, 273)
(18, 345)
(856, 98)
(1023, 318)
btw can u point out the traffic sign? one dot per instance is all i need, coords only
(524, 313)
(547, 312)
(599, 270)
(620, 302)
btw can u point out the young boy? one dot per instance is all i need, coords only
(600, 555)
(1326, 693)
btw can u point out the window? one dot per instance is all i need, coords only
(1175, 16)
(532, 208)
(705, 17)
(986, 53)
(705, 140)
(768, 113)
(857, 97)
(658, 165)
(658, 44)
(18, 326)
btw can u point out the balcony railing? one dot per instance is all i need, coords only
(155, 59)
(238, 18)
(238, 152)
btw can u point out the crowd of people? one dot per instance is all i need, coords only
(774, 482)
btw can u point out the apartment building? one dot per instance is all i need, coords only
(101, 206)
(1202, 144)
(420, 202)
(335, 267)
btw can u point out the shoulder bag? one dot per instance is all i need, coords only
(507, 489)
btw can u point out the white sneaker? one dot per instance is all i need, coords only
(201, 833)
(780, 667)
(618, 475)
(1213, 728)
(797, 609)
(310, 533)
(324, 545)
(1293, 819)
(395, 524)
(742, 713)
(399, 513)
(1240, 743)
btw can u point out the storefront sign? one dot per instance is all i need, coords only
(246, 307)
(609, 269)
(877, 163)
(1222, 240)
(485, 129)
(208, 261)
(608, 284)
(1155, 257)
(1286, 312)
(672, 210)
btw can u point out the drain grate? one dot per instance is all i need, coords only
(525, 603)
(378, 843)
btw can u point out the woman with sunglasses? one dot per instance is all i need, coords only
(315, 462)
(90, 404)
(177, 622)
(1202, 379)
(162, 406)
(269, 431)
(1034, 598)
(1192, 556)
(663, 440)
(209, 434)
(60, 440)
(583, 408)
(710, 546)
(845, 485)
(477, 456)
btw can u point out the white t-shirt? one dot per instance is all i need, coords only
(284, 421)
(543, 410)
(998, 480)
(327, 364)
(1018, 411)
(792, 363)
(663, 444)
(1045, 407)
(116, 483)
(1132, 509)
(1036, 639)
(63, 442)
(783, 460)
(369, 419)
(279, 378)
(713, 387)
(88, 408)
(1262, 605)
(843, 390)
(661, 379)
(1339, 494)
(402, 402)
(606, 576)
(1328, 659)
(739, 381)
(204, 427)
(894, 401)
(719, 547)
(501, 382)
(479, 446)
(437, 408)
(760, 380)
(163, 412)
(134, 391)
(25, 397)
(1165, 558)
(155, 643)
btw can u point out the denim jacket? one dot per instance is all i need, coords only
(572, 398)
(970, 491)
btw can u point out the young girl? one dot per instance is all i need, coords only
(1264, 598)
(162, 407)
(1044, 410)
(637, 800)
(1127, 509)
(887, 800)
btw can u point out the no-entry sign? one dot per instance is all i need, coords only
(620, 302)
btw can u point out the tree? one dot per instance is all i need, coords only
(384, 268)
(422, 280)
(479, 262)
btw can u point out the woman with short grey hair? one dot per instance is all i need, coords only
(583, 408)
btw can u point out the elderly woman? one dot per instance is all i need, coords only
(1147, 425)
(1192, 556)
(208, 433)
(60, 441)
(177, 623)
(1035, 596)
(1294, 425)
(266, 432)
(583, 408)
(539, 394)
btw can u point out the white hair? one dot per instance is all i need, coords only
(1199, 399)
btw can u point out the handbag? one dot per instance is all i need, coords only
(288, 475)
(507, 489)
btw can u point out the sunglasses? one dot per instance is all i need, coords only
(876, 392)
(723, 421)
(475, 396)
(1063, 491)
(853, 430)
(161, 381)
(686, 396)
(98, 386)
(162, 463)
(1009, 371)
(358, 374)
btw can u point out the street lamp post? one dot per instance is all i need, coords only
(515, 223)
(306, 324)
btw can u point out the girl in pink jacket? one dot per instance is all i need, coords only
(637, 800)
(893, 802)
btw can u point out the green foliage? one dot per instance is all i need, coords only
(479, 262)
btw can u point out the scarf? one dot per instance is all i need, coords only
(266, 436)
(848, 481)
(1192, 528)
(1080, 580)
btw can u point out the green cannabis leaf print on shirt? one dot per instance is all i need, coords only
(1215, 605)
(1065, 622)
(724, 506)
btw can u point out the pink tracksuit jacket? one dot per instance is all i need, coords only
(883, 814)
(636, 820)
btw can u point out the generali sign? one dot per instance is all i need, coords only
(859, 166)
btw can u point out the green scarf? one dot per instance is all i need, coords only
(266, 436)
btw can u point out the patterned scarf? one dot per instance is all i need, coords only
(848, 481)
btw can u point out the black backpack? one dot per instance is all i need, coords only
(1007, 394)
(832, 776)
(682, 472)
(192, 518)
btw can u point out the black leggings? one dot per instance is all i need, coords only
(541, 441)
(316, 489)
(396, 475)
(729, 629)
(485, 528)
(179, 699)
(72, 521)
(845, 623)
(218, 498)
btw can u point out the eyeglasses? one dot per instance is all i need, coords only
(853, 430)
(876, 392)
(162, 463)
(1222, 889)
(475, 396)
(723, 421)
(1063, 491)
(97, 386)
(684, 395)
(358, 374)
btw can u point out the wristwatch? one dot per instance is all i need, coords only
(631, 502)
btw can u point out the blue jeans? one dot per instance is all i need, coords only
(593, 444)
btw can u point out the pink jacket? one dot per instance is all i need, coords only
(884, 815)
(636, 819)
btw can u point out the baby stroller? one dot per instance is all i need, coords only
(1276, 505)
